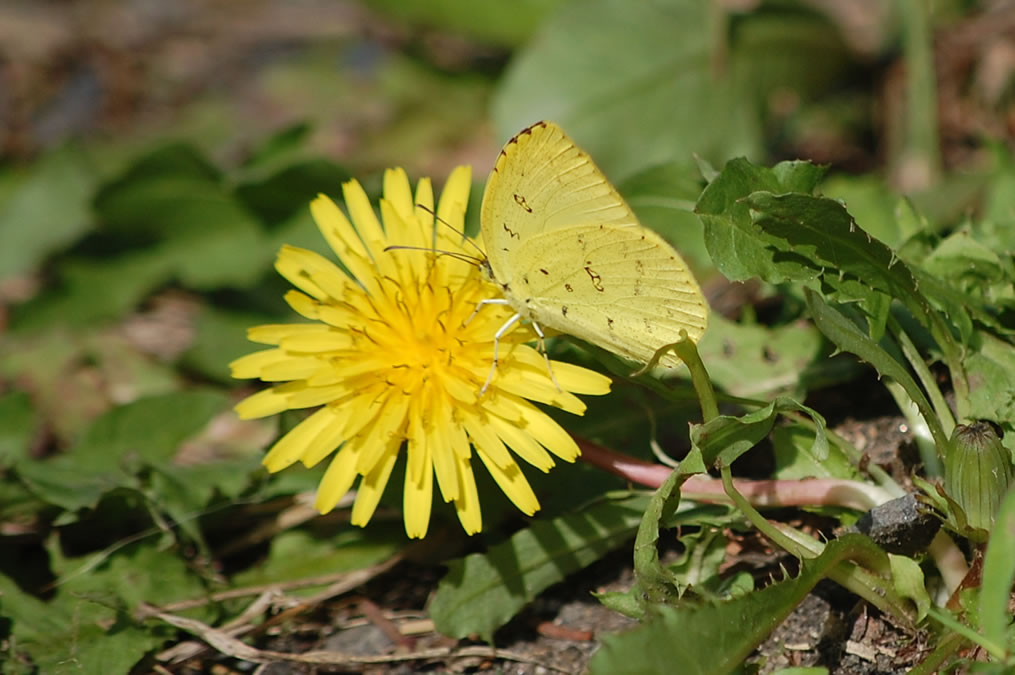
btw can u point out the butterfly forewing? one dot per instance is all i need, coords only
(542, 181)
(570, 254)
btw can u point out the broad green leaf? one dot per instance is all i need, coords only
(991, 372)
(908, 581)
(652, 70)
(482, 591)
(47, 210)
(756, 361)
(730, 235)
(118, 445)
(173, 200)
(792, 445)
(717, 638)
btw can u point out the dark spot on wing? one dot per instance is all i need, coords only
(520, 201)
(597, 281)
(568, 288)
(609, 323)
(544, 271)
(563, 310)
(511, 233)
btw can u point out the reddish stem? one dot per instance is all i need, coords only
(761, 493)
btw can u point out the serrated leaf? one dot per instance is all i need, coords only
(482, 591)
(850, 261)
(845, 335)
(717, 638)
(729, 234)
(991, 372)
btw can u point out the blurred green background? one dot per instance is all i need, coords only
(155, 156)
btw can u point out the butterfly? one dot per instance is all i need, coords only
(569, 254)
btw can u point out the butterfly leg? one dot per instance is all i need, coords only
(542, 348)
(488, 301)
(496, 345)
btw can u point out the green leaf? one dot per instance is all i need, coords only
(871, 203)
(652, 70)
(998, 575)
(300, 555)
(725, 438)
(756, 361)
(845, 335)
(87, 627)
(849, 260)
(793, 444)
(220, 336)
(730, 235)
(18, 426)
(717, 638)
(481, 592)
(47, 210)
(174, 197)
(991, 371)
(92, 290)
(118, 445)
(908, 581)
(278, 196)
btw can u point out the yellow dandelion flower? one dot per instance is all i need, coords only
(396, 356)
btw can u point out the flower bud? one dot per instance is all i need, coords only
(978, 470)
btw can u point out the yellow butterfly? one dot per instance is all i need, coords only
(569, 253)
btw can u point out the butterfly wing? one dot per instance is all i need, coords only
(625, 290)
(571, 255)
(541, 182)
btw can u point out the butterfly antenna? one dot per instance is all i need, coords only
(471, 259)
(448, 225)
